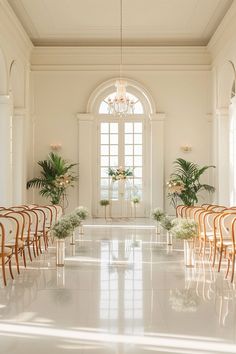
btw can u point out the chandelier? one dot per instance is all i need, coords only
(121, 104)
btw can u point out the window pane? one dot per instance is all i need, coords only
(114, 139)
(138, 138)
(113, 127)
(138, 172)
(104, 139)
(114, 161)
(137, 149)
(114, 149)
(138, 161)
(128, 138)
(104, 182)
(128, 128)
(104, 161)
(129, 150)
(128, 161)
(104, 194)
(104, 149)
(104, 172)
(104, 128)
(138, 127)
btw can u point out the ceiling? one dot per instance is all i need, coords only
(97, 22)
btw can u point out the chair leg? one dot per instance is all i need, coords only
(4, 270)
(227, 271)
(220, 259)
(10, 269)
(24, 259)
(29, 251)
(233, 265)
(17, 260)
(214, 256)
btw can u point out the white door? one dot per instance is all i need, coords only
(121, 143)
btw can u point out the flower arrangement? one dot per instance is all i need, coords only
(104, 203)
(82, 212)
(120, 173)
(185, 229)
(158, 214)
(66, 224)
(183, 300)
(167, 222)
(136, 200)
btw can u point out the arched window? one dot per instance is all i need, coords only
(137, 106)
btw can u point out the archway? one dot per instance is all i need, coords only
(134, 141)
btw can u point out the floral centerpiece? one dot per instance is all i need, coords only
(64, 227)
(185, 229)
(158, 214)
(168, 223)
(120, 173)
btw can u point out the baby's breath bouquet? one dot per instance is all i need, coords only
(167, 223)
(63, 228)
(185, 229)
(158, 214)
(82, 212)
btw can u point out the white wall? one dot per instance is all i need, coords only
(179, 80)
(15, 47)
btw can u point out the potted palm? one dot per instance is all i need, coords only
(187, 230)
(158, 214)
(185, 184)
(56, 177)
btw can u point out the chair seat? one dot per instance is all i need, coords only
(6, 252)
(12, 243)
(226, 243)
(31, 236)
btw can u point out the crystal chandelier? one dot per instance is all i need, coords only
(121, 104)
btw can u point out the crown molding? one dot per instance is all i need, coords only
(108, 58)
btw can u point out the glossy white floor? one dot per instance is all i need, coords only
(122, 291)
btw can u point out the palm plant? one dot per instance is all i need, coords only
(55, 178)
(185, 182)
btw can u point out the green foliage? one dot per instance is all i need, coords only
(104, 202)
(136, 199)
(167, 223)
(185, 182)
(55, 178)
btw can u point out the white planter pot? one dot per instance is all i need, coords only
(60, 253)
(169, 240)
(189, 253)
(81, 229)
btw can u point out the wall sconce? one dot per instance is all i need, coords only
(55, 146)
(186, 148)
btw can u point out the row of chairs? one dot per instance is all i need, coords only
(216, 231)
(25, 227)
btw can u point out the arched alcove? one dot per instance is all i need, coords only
(144, 128)
(133, 87)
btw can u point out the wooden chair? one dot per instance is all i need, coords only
(231, 250)
(5, 252)
(225, 240)
(13, 236)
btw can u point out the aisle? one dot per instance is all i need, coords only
(122, 291)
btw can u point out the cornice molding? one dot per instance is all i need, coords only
(158, 117)
(58, 57)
